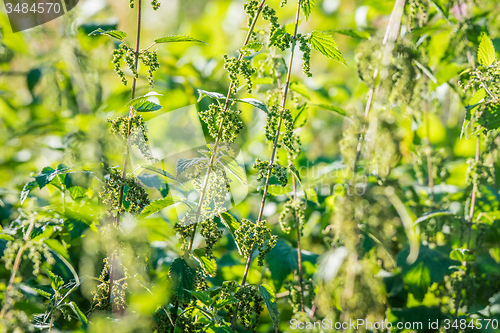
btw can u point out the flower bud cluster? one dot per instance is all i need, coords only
(33, 251)
(293, 212)
(249, 235)
(277, 170)
(229, 122)
(136, 128)
(136, 195)
(235, 68)
(150, 60)
(250, 305)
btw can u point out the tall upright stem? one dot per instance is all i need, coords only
(273, 154)
(219, 133)
(299, 250)
(428, 152)
(391, 34)
(127, 154)
(15, 266)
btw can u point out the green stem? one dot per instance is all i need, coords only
(273, 154)
(130, 115)
(219, 134)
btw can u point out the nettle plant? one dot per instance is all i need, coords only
(116, 247)
(441, 273)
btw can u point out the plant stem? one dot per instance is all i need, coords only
(273, 154)
(474, 191)
(131, 111)
(219, 133)
(428, 152)
(391, 34)
(17, 263)
(299, 251)
(127, 154)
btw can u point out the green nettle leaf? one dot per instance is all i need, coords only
(324, 43)
(430, 267)
(76, 224)
(28, 187)
(211, 94)
(176, 39)
(332, 108)
(232, 224)
(78, 313)
(201, 296)
(56, 282)
(307, 6)
(250, 48)
(208, 265)
(429, 215)
(156, 205)
(43, 293)
(271, 304)
(282, 261)
(111, 33)
(45, 177)
(231, 165)
(146, 106)
(143, 97)
(182, 277)
(462, 255)
(486, 52)
(185, 163)
(353, 33)
(255, 102)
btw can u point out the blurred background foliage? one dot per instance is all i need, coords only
(57, 88)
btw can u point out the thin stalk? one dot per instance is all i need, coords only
(131, 111)
(219, 133)
(299, 251)
(428, 152)
(273, 154)
(17, 263)
(470, 217)
(474, 192)
(127, 154)
(391, 34)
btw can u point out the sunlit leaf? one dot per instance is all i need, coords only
(146, 106)
(325, 44)
(211, 94)
(332, 108)
(208, 265)
(353, 33)
(176, 39)
(111, 33)
(307, 6)
(255, 102)
(250, 48)
(156, 205)
(462, 255)
(486, 52)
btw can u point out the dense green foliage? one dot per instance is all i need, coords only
(366, 134)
